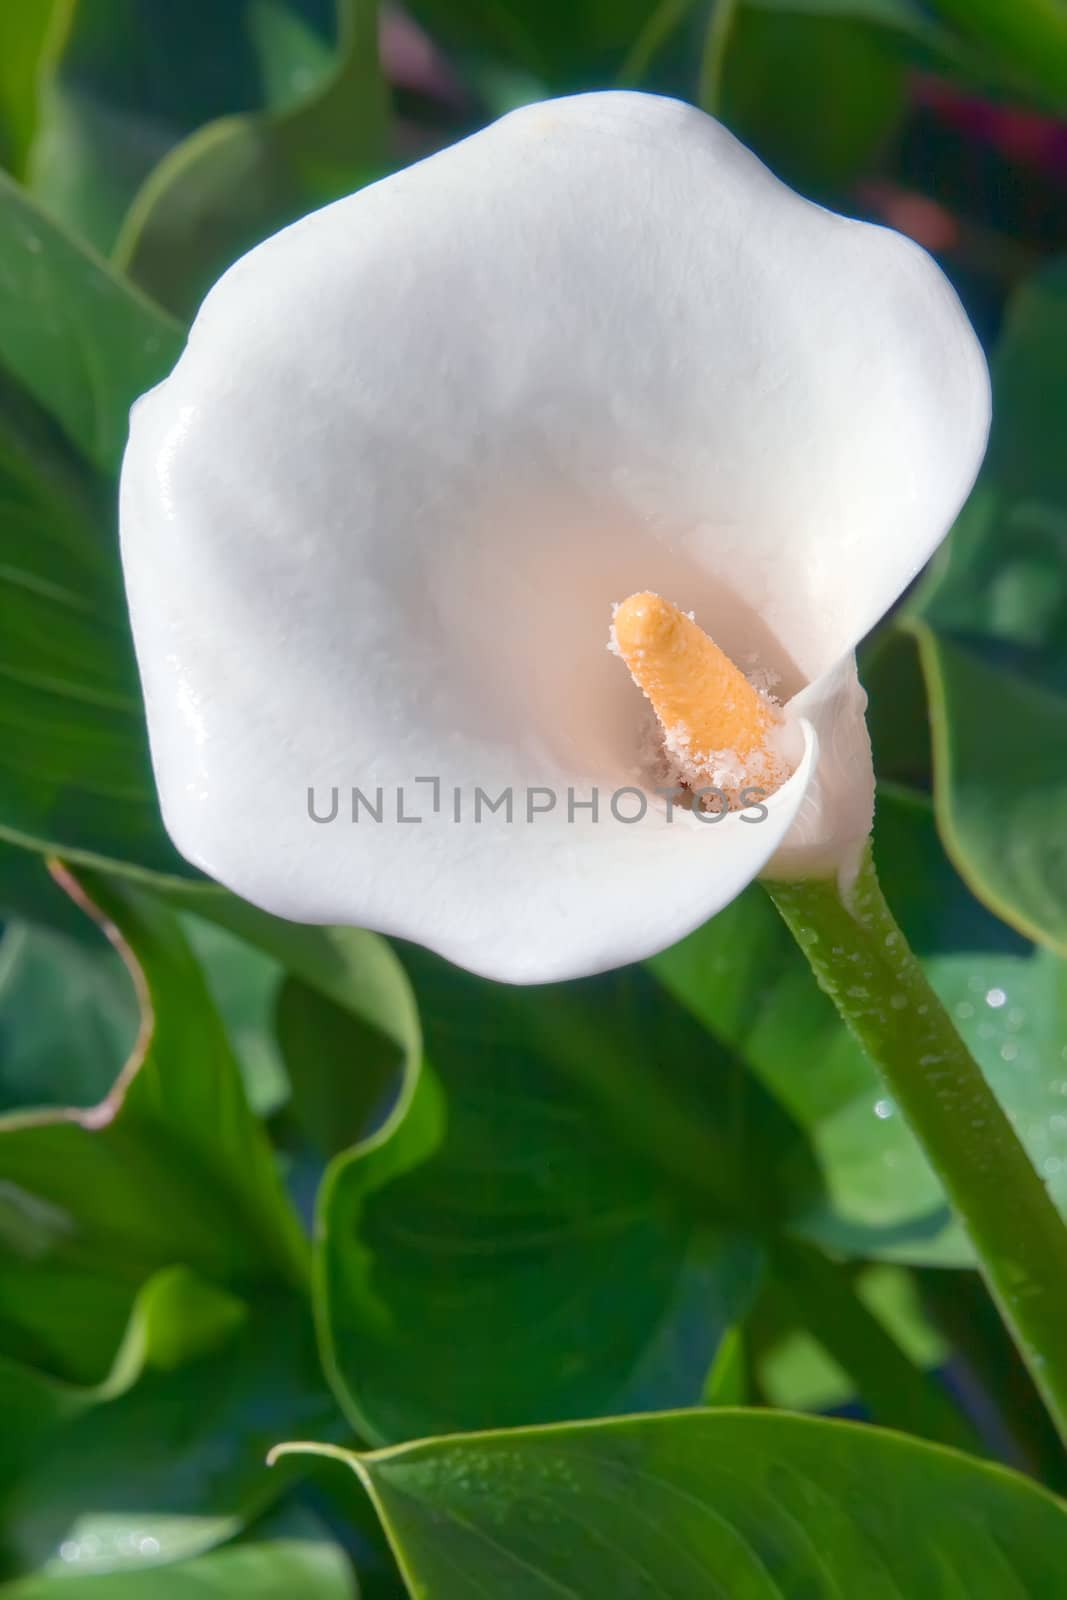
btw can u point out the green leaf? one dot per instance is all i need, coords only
(727, 1382)
(338, 1095)
(316, 980)
(897, 713)
(1030, 36)
(566, 44)
(892, 1386)
(175, 1464)
(561, 1215)
(74, 335)
(23, 31)
(725, 1503)
(171, 1167)
(176, 1317)
(1001, 784)
(290, 1555)
(356, 969)
(960, 1308)
(991, 623)
(778, 65)
(797, 1370)
(881, 1198)
(68, 1019)
(29, 893)
(244, 984)
(904, 16)
(239, 179)
(127, 79)
(75, 775)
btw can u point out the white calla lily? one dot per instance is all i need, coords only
(419, 443)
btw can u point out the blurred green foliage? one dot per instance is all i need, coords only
(261, 1182)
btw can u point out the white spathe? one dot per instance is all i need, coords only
(374, 523)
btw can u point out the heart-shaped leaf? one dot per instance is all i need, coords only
(732, 1504)
(561, 1214)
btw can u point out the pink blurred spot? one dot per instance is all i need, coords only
(922, 219)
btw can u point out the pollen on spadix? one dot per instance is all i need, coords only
(717, 728)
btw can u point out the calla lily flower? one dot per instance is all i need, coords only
(423, 441)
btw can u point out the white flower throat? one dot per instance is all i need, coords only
(718, 730)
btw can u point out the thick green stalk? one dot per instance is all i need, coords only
(863, 961)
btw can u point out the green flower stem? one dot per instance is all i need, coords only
(863, 962)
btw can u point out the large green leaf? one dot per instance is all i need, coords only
(74, 767)
(127, 79)
(76, 348)
(355, 969)
(561, 1215)
(1008, 999)
(897, 713)
(869, 1332)
(1030, 36)
(241, 178)
(29, 893)
(175, 1463)
(566, 44)
(317, 983)
(176, 1317)
(286, 1557)
(23, 30)
(68, 1019)
(992, 630)
(344, 1067)
(244, 984)
(68, 1012)
(778, 64)
(903, 16)
(807, 1358)
(1001, 784)
(79, 339)
(847, 57)
(172, 1167)
(731, 1504)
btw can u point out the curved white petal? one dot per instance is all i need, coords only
(374, 522)
(832, 824)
